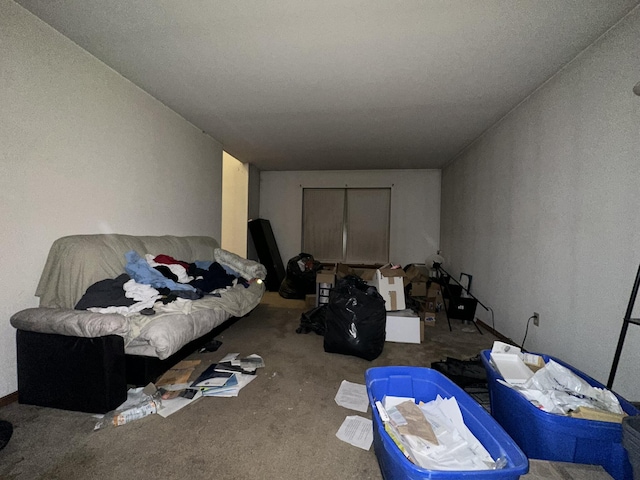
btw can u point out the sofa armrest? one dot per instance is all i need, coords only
(75, 323)
(249, 269)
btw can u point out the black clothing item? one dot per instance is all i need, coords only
(212, 279)
(166, 272)
(6, 430)
(106, 293)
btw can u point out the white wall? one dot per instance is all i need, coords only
(543, 211)
(85, 151)
(235, 205)
(415, 207)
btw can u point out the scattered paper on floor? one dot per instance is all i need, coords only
(177, 401)
(357, 431)
(353, 396)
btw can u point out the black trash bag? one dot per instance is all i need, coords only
(313, 321)
(356, 320)
(300, 279)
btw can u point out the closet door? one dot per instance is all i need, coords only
(323, 223)
(347, 225)
(367, 226)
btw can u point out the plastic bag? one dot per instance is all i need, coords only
(556, 389)
(313, 321)
(356, 320)
(138, 405)
(300, 279)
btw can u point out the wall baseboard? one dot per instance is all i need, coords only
(496, 333)
(11, 398)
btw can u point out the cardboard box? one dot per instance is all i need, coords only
(418, 289)
(325, 281)
(434, 290)
(428, 319)
(417, 277)
(416, 273)
(404, 326)
(389, 282)
(310, 301)
(343, 270)
(435, 302)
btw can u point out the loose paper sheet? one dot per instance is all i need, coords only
(353, 396)
(174, 404)
(357, 431)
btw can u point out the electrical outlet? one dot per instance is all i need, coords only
(536, 319)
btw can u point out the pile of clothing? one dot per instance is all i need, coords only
(157, 278)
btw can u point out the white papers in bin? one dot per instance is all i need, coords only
(458, 447)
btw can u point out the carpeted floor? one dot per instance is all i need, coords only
(281, 426)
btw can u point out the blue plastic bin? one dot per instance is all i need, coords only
(424, 384)
(549, 436)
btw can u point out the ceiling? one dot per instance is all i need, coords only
(336, 84)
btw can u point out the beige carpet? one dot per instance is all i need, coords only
(282, 425)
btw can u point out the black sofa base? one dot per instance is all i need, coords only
(71, 373)
(87, 374)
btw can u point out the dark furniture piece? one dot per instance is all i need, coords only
(71, 373)
(456, 306)
(88, 374)
(268, 252)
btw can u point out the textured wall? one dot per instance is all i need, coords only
(543, 210)
(86, 151)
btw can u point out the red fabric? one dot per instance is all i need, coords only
(167, 260)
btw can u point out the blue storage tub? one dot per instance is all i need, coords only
(549, 436)
(424, 384)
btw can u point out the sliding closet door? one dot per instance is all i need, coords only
(347, 225)
(368, 225)
(323, 223)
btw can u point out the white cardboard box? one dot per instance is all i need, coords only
(404, 326)
(325, 281)
(389, 282)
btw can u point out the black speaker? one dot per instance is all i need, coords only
(268, 253)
